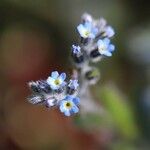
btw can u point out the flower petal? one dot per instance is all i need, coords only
(62, 108)
(62, 76)
(99, 42)
(67, 113)
(50, 80)
(106, 41)
(106, 53)
(95, 31)
(54, 86)
(111, 47)
(54, 74)
(69, 97)
(88, 25)
(80, 29)
(83, 31)
(63, 84)
(75, 109)
(110, 31)
(76, 100)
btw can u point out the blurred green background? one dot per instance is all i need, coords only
(35, 38)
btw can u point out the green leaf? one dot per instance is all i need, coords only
(119, 110)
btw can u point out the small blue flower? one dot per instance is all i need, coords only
(87, 30)
(56, 81)
(73, 84)
(76, 49)
(109, 32)
(69, 105)
(105, 48)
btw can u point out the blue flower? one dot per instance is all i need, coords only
(87, 30)
(105, 48)
(76, 49)
(109, 32)
(73, 84)
(56, 81)
(69, 105)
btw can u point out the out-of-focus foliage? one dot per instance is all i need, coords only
(120, 110)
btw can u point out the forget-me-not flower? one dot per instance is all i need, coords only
(105, 47)
(69, 105)
(87, 30)
(56, 81)
(73, 84)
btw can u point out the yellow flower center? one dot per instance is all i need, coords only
(86, 33)
(57, 81)
(68, 104)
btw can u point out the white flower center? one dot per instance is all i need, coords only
(102, 47)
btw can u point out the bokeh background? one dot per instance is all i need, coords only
(35, 38)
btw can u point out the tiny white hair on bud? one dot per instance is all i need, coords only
(35, 99)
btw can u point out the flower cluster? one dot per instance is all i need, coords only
(94, 45)
(55, 91)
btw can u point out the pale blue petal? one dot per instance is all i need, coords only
(71, 111)
(67, 113)
(88, 25)
(75, 109)
(95, 31)
(76, 100)
(80, 29)
(69, 97)
(106, 53)
(92, 36)
(62, 77)
(50, 80)
(54, 86)
(61, 102)
(99, 42)
(111, 47)
(110, 31)
(62, 108)
(54, 74)
(106, 41)
(63, 84)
